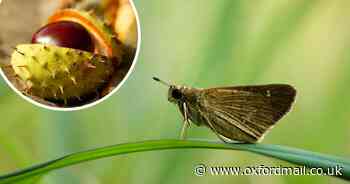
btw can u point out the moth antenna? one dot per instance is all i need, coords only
(161, 81)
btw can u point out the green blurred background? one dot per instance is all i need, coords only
(201, 44)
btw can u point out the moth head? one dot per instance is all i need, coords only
(175, 94)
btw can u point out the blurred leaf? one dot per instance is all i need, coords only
(32, 180)
(292, 155)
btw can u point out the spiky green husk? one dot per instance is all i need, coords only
(53, 72)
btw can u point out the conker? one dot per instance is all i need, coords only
(65, 34)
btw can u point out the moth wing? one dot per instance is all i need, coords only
(245, 113)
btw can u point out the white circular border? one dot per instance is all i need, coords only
(66, 109)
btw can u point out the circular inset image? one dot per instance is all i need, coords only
(80, 55)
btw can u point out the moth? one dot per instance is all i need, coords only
(237, 113)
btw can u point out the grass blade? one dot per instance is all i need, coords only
(292, 155)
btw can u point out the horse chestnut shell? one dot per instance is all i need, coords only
(65, 34)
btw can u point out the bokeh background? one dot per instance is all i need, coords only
(201, 44)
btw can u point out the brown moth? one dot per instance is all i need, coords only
(238, 113)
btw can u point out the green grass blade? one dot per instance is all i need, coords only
(296, 156)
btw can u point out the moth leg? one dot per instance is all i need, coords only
(186, 122)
